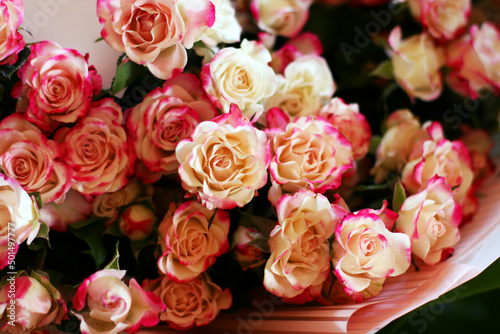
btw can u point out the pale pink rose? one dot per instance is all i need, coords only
(33, 160)
(247, 254)
(431, 218)
(155, 33)
(486, 42)
(351, 123)
(403, 135)
(137, 222)
(366, 252)
(309, 154)
(11, 41)
(366, 2)
(96, 149)
(189, 304)
(55, 87)
(441, 157)
(443, 19)
(106, 205)
(417, 61)
(18, 219)
(225, 161)
(281, 17)
(35, 305)
(166, 116)
(226, 28)
(189, 243)
(304, 44)
(479, 143)
(304, 88)
(240, 76)
(300, 256)
(108, 305)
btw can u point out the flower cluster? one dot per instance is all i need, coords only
(245, 160)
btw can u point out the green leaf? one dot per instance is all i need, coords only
(8, 70)
(261, 243)
(43, 232)
(126, 73)
(91, 231)
(99, 40)
(264, 225)
(38, 198)
(114, 264)
(399, 197)
(384, 70)
(374, 143)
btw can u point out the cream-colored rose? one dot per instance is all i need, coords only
(225, 161)
(304, 88)
(11, 41)
(417, 61)
(300, 256)
(35, 305)
(486, 42)
(190, 244)
(351, 123)
(188, 304)
(443, 19)
(309, 154)
(240, 76)
(281, 17)
(365, 252)
(137, 222)
(226, 28)
(155, 33)
(431, 218)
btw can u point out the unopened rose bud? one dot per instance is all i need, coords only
(247, 255)
(137, 222)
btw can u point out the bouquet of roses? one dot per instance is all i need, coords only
(222, 164)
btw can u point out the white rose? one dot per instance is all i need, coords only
(226, 28)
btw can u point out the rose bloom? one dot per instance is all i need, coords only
(402, 137)
(225, 161)
(189, 243)
(155, 33)
(166, 116)
(36, 304)
(55, 87)
(479, 143)
(106, 205)
(366, 252)
(32, 159)
(306, 86)
(300, 256)
(351, 123)
(110, 306)
(309, 154)
(243, 251)
(448, 159)
(240, 76)
(97, 151)
(188, 304)
(417, 61)
(431, 218)
(137, 222)
(443, 19)
(18, 219)
(11, 41)
(226, 28)
(281, 17)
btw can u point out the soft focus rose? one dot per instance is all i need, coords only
(55, 86)
(190, 244)
(225, 161)
(300, 256)
(166, 116)
(18, 219)
(226, 28)
(33, 160)
(36, 304)
(448, 159)
(309, 154)
(479, 143)
(306, 86)
(431, 218)
(106, 205)
(240, 76)
(155, 33)
(366, 252)
(11, 41)
(281, 17)
(97, 151)
(351, 123)
(417, 61)
(443, 19)
(403, 135)
(110, 306)
(188, 304)
(137, 222)
(247, 254)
